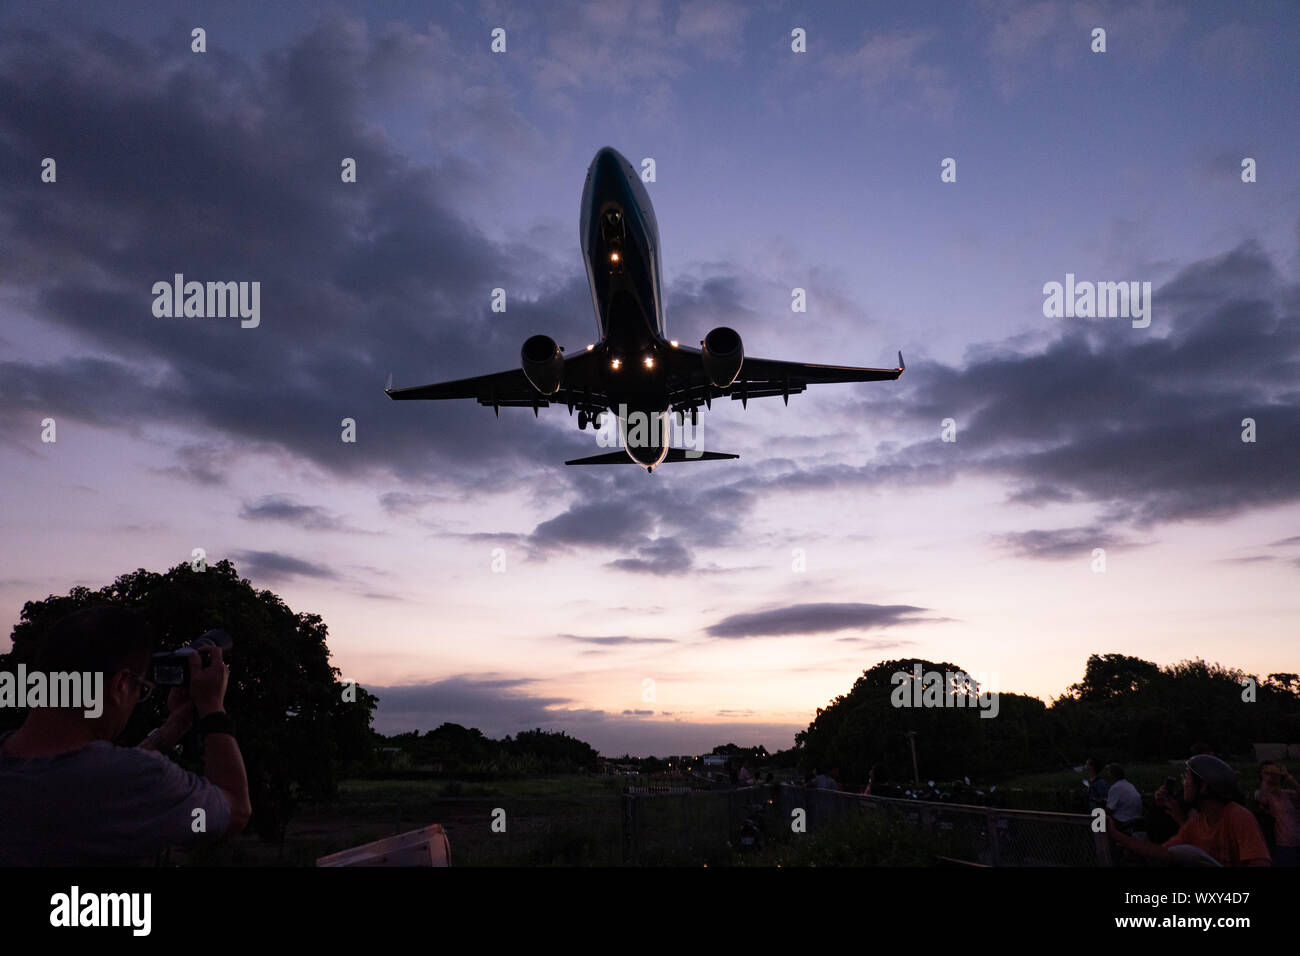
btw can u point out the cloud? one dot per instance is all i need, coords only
(1144, 425)
(1061, 543)
(279, 508)
(377, 276)
(814, 619)
(889, 68)
(617, 640)
(271, 566)
(660, 556)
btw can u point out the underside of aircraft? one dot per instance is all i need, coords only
(632, 369)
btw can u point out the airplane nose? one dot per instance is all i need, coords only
(607, 170)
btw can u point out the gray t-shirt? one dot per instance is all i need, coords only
(102, 804)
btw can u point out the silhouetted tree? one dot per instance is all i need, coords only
(297, 727)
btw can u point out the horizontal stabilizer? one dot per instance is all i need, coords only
(674, 454)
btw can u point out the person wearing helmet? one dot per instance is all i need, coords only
(1218, 825)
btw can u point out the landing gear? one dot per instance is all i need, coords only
(582, 421)
(695, 417)
(595, 419)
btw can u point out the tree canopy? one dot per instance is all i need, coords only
(299, 727)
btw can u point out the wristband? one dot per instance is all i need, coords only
(217, 722)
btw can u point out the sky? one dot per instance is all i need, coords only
(464, 573)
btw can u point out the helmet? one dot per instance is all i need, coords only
(1220, 779)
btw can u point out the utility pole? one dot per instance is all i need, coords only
(916, 775)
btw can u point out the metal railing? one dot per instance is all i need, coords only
(988, 836)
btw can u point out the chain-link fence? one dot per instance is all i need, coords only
(690, 827)
(682, 827)
(985, 836)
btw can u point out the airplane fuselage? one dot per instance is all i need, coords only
(620, 244)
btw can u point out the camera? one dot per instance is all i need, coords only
(172, 668)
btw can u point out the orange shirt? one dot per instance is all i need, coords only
(1232, 841)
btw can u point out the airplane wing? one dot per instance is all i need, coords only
(761, 377)
(511, 388)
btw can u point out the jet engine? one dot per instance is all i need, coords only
(543, 363)
(723, 354)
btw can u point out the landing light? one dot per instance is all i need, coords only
(590, 347)
(649, 361)
(613, 257)
(673, 343)
(616, 364)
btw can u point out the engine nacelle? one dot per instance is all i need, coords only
(543, 363)
(723, 355)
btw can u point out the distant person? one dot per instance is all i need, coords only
(1123, 802)
(70, 797)
(1217, 825)
(746, 776)
(875, 777)
(822, 781)
(1283, 806)
(1097, 787)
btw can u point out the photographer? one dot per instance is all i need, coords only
(69, 796)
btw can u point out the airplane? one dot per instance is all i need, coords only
(633, 369)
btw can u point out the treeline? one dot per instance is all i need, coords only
(452, 748)
(1125, 708)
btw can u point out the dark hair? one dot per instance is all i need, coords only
(1096, 764)
(101, 638)
(1115, 770)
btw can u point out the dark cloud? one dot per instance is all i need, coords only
(655, 524)
(617, 640)
(271, 566)
(1143, 424)
(815, 619)
(222, 169)
(278, 508)
(660, 556)
(1061, 543)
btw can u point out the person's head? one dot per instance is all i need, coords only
(103, 639)
(1206, 777)
(1113, 772)
(1092, 766)
(1270, 774)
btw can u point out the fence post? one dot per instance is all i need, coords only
(629, 828)
(991, 827)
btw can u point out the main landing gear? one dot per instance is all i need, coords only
(585, 417)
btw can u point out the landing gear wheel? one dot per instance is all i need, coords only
(695, 417)
(582, 421)
(595, 419)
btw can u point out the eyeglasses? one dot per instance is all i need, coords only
(146, 686)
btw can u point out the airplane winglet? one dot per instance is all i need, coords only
(901, 366)
(389, 386)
